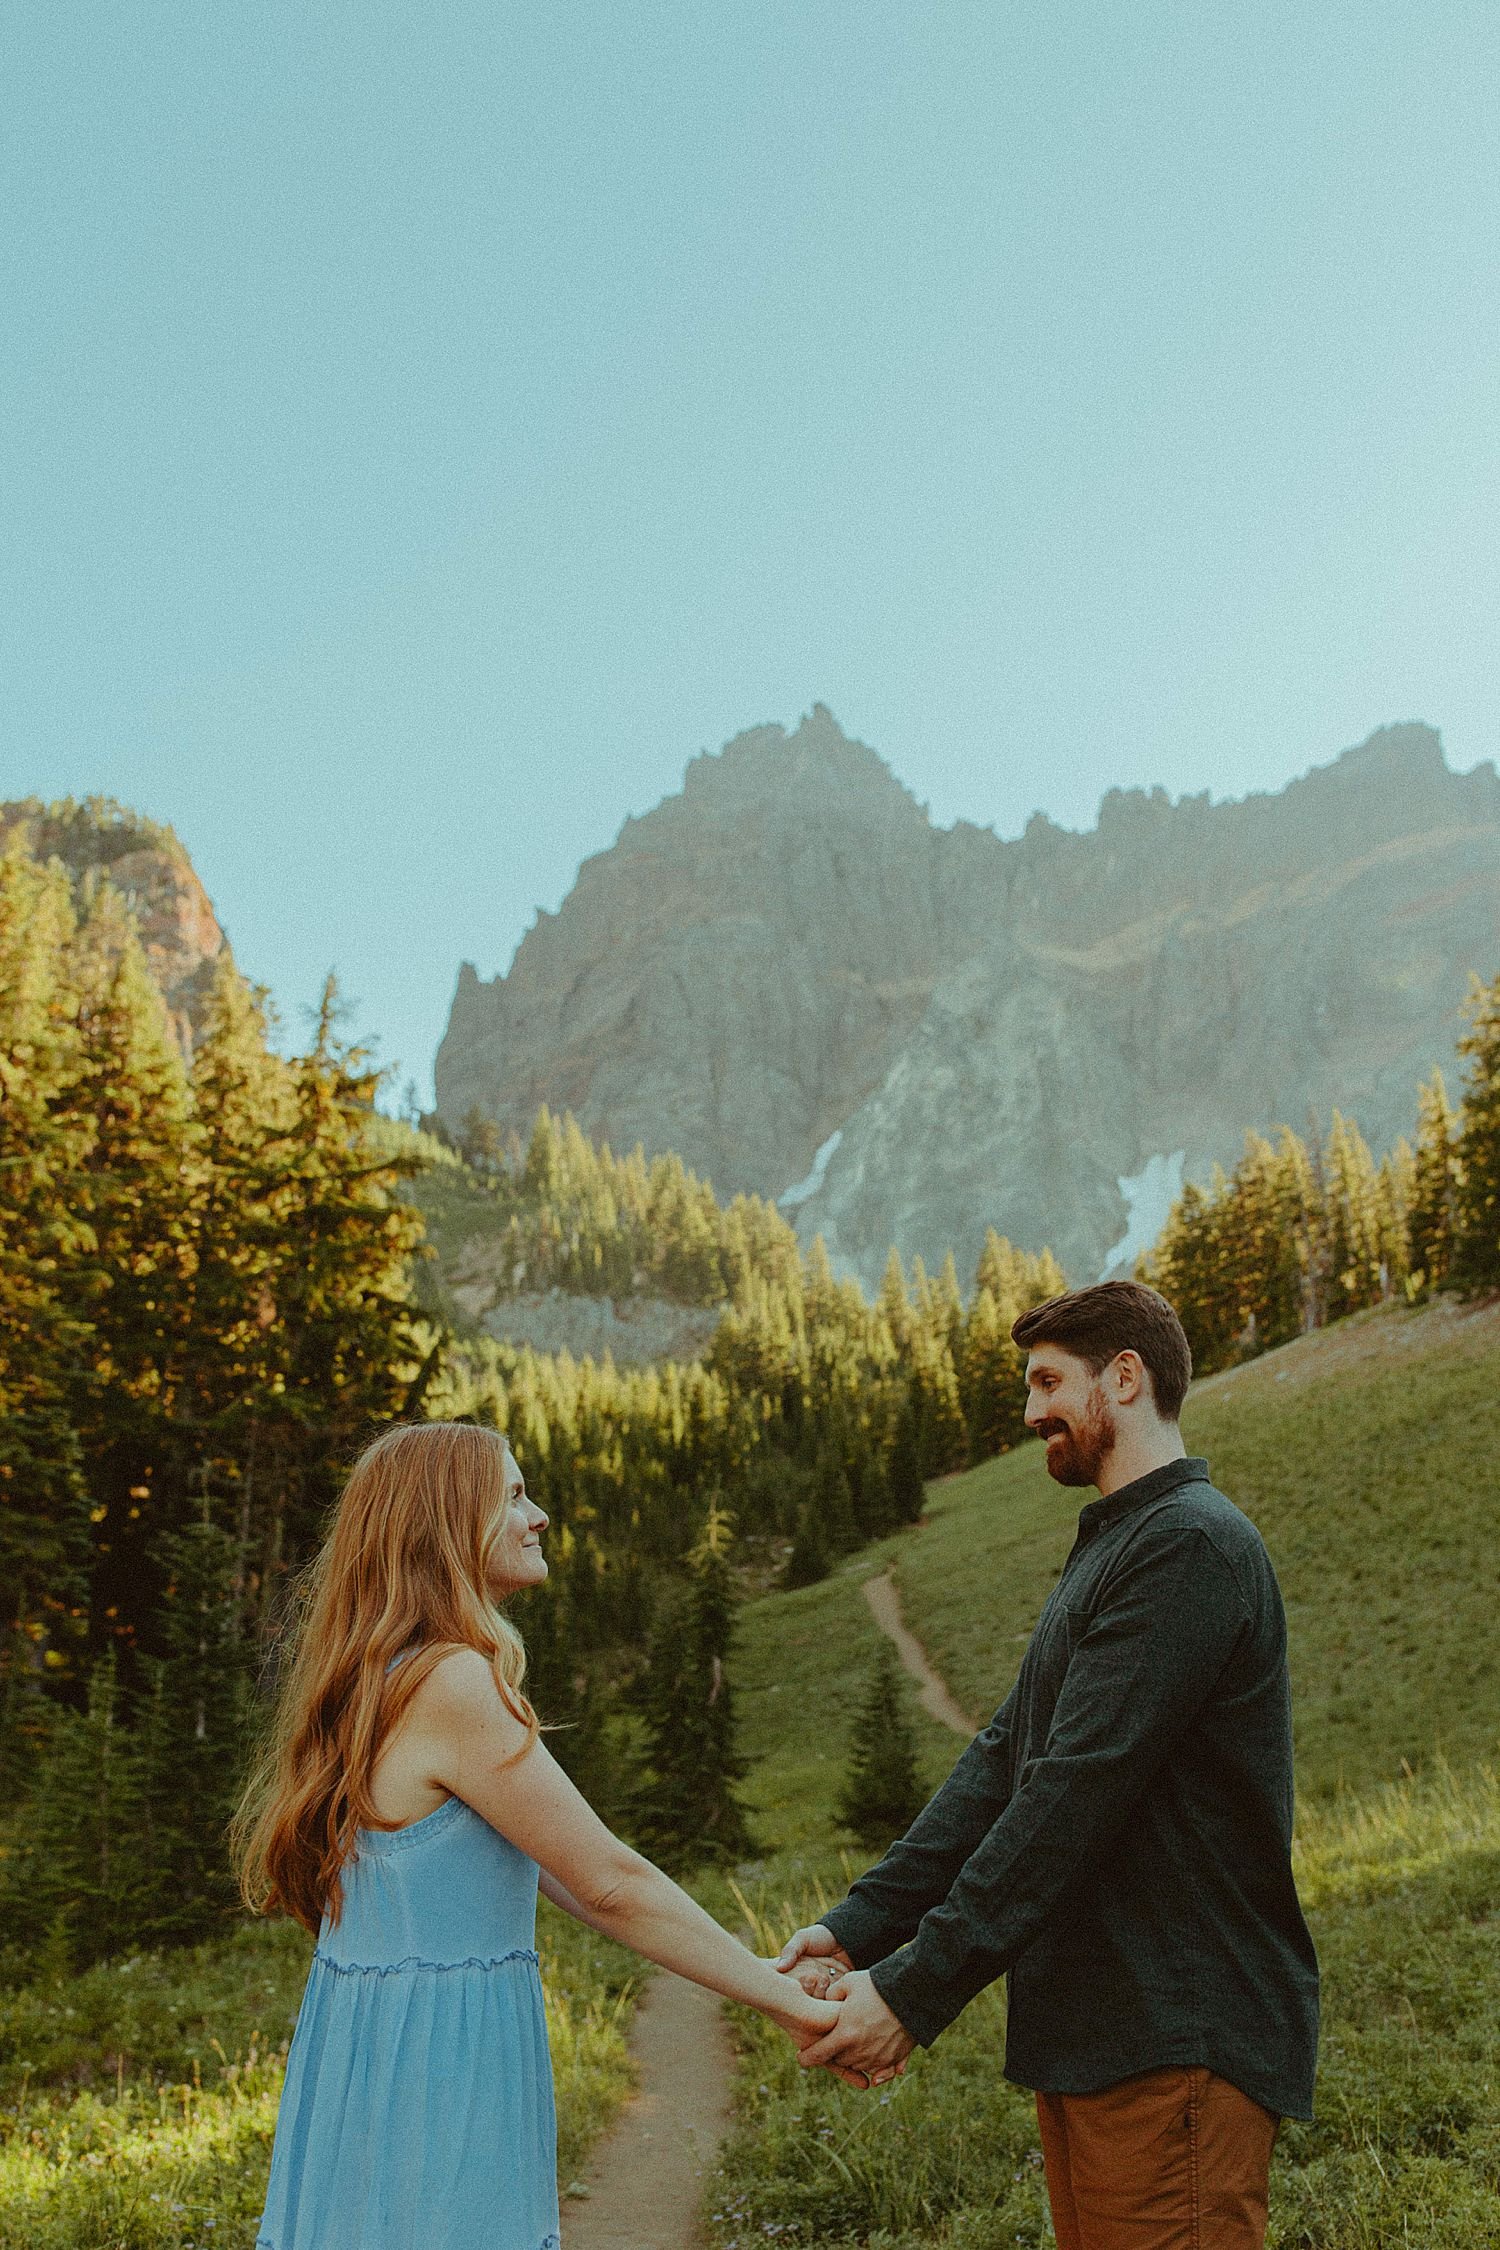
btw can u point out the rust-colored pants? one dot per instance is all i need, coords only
(1173, 2160)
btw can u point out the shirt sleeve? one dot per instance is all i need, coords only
(884, 1907)
(1143, 1666)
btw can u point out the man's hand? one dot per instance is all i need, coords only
(815, 1958)
(867, 2042)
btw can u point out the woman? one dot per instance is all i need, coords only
(404, 1812)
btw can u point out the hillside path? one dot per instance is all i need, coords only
(936, 1698)
(645, 2182)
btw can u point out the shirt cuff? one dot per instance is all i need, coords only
(919, 2006)
(858, 1929)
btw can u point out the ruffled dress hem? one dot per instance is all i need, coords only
(548, 2242)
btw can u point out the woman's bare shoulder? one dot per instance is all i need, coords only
(462, 1693)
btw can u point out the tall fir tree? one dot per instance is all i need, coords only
(1476, 1257)
(1352, 1201)
(192, 1734)
(1437, 1180)
(904, 1481)
(882, 1791)
(688, 1811)
(44, 1506)
(75, 1878)
(133, 1193)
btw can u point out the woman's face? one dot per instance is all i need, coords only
(516, 1557)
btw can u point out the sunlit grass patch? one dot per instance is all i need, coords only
(1349, 1845)
(145, 2168)
(141, 2097)
(948, 2154)
(1367, 1454)
(1369, 1458)
(1404, 1888)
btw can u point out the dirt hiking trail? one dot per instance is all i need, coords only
(645, 2183)
(936, 1697)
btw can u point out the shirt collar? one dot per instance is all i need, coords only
(1154, 1486)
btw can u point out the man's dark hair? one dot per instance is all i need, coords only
(1096, 1324)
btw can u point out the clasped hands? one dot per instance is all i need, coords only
(868, 2045)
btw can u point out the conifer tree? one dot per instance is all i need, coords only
(1395, 1186)
(132, 1191)
(75, 1876)
(882, 1792)
(811, 1557)
(833, 1499)
(894, 1302)
(1352, 1202)
(1437, 1178)
(904, 1482)
(44, 1509)
(688, 1811)
(192, 1736)
(1476, 1258)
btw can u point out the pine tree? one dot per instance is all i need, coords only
(882, 1792)
(688, 1811)
(908, 1493)
(833, 1499)
(192, 1735)
(894, 1302)
(1437, 1180)
(44, 1508)
(1476, 1257)
(1354, 1222)
(991, 1376)
(1188, 1265)
(133, 1192)
(75, 1876)
(811, 1557)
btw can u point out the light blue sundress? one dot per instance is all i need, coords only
(418, 2113)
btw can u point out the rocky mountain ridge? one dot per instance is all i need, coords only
(147, 864)
(788, 974)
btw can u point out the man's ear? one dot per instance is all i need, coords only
(1131, 1379)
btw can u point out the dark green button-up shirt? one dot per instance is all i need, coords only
(1118, 1838)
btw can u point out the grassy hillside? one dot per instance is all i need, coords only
(137, 2102)
(1369, 1457)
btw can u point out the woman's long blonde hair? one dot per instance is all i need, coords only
(404, 1567)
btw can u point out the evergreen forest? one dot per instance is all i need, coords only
(220, 1273)
(216, 1281)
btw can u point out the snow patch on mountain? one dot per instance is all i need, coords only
(805, 1190)
(1149, 1196)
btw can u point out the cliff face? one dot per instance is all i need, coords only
(178, 927)
(732, 978)
(790, 976)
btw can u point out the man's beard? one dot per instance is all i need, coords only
(1075, 1456)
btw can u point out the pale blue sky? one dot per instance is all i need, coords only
(426, 427)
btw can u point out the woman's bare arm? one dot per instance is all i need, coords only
(470, 1739)
(561, 1896)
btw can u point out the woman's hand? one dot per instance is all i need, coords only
(801, 2017)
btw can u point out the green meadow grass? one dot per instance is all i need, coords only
(1369, 1457)
(137, 2102)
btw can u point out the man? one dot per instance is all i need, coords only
(1118, 1839)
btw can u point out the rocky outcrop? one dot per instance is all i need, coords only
(149, 867)
(790, 976)
(731, 979)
